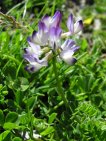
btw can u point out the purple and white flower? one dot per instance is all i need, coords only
(68, 49)
(50, 35)
(45, 26)
(54, 37)
(52, 21)
(32, 55)
(40, 37)
(73, 27)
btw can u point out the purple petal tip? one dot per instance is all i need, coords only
(29, 69)
(29, 39)
(76, 48)
(45, 17)
(70, 23)
(25, 50)
(73, 61)
(81, 23)
(42, 26)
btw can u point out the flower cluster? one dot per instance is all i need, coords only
(48, 39)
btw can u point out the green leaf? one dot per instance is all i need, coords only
(24, 83)
(84, 44)
(31, 102)
(103, 127)
(5, 136)
(24, 87)
(52, 117)
(11, 117)
(1, 87)
(10, 126)
(23, 119)
(47, 131)
(17, 139)
(1, 118)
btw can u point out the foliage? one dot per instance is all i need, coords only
(29, 102)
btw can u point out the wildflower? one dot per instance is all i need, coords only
(44, 27)
(32, 55)
(49, 35)
(26, 135)
(52, 21)
(41, 36)
(68, 49)
(73, 27)
(54, 37)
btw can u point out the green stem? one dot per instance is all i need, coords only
(30, 120)
(59, 88)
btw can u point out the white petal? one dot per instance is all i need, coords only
(78, 26)
(70, 23)
(35, 48)
(47, 20)
(66, 55)
(68, 44)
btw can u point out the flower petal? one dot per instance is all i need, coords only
(32, 53)
(35, 66)
(41, 36)
(29, 39)
(52, 21)
(35, 38)
(78, 26)
(68, 44)
(30, 68)
(42, 28)
(34, 34)
(35, 49)
(46, 20)
(42, 33)
(66, 55)
(70, 23)
(75, 48)
(30, 57)
(56, 19)
(54, 34)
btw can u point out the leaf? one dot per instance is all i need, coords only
(11, 117)
(24, 83)
(1, 87)
(47, 131)
(52, 117)
(1, 117)
(17, 139)
(103, 127)
(5, 136)
(24, 87)
(84, 44)
(23, 119)
(10, 126)
(31, 102)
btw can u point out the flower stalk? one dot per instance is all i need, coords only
(59, 87)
